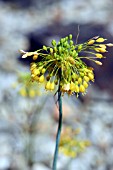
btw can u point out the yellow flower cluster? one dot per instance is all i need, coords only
(62, 64)
(70, 145)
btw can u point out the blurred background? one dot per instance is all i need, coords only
(28, 123)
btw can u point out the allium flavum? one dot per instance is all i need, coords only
(63, 63)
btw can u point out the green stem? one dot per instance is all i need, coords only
(59, 130)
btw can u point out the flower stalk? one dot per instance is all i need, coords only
(59, 129)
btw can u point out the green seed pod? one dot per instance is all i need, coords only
(59, 43)
(62, 40)
(70, 36)
(71, 53)
(80, 47)
(51, 50)
(72, 47)
(81, 74)
(71, 42)
(65, 44)
(44, 48)
(66, 38)
(55, 49)
(53, 42)
(60, 49)
(74, 53)
(55, 55)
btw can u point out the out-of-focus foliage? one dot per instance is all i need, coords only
(26, 87)
(70, 145)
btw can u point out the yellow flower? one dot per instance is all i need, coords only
(82, 89)
(52, 86)
(91, 76)
(102, 46)
(35, 56)
(85, 84)
(98, 55)
(98, 62)
(90, 42)
(99, 40)
(48, 86)
(41, 79)
(102, 50)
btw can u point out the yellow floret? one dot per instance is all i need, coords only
(52, 86)
(85, 84)
(35, 56)
(98, 55)
(90, 42)
(100, 40)
(86, 78)
(48, 85)
(91, 76)
(41, 79)
(82, 88)
(98, 62)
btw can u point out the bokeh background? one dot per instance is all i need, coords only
(28, 125)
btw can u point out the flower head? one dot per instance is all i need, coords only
(62, 64)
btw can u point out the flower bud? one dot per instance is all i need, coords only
(98, 55)
(43, 70)
(99, 40)
(36, 72)
(35, 56)
(53, 42)
(82, 88)
(91, 76)
(85, 84)
(86, 78)
(51, 50)
(102, 46)
(79, 80)
(48, 85)
(98, 62)
(44, 48)
(70, 36)
(76, 89)
(71, 42)
(41, 79)
(90, 42)
(52, 86)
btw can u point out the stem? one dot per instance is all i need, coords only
(59, 130)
